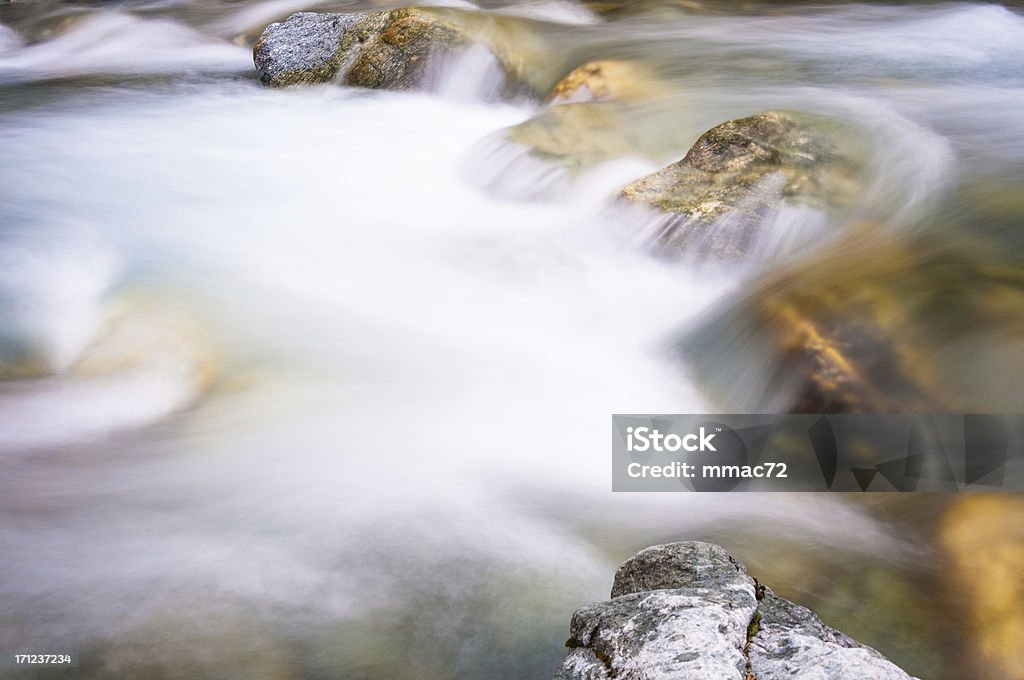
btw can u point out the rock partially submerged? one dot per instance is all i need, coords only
(596, 122)
(390, 49)
(592, 118)
(578, 136)
(719, 195)
(689, 610)
(871, 325)
(603, 80)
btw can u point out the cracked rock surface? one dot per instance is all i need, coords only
(689, 610)
(389, 49)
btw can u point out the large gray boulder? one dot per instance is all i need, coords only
(690, 611)
(389, 50)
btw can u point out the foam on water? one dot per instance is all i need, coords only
(9, 39)
(398, 340)
(256, 16)
(559, 11)
(115, 42)
(953, 39)
(50, 293)
(412, 376)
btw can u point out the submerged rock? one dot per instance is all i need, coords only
(578, 136)
(601, 80)
(194, 637)
(983, 537)
(593, 118)
(388, 49)
(878, 325)
(561, 142)
(689, 610)
(145, 364)
(718, 196)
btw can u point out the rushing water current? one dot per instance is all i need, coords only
(316, 383)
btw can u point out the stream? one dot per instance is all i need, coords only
(316, 382)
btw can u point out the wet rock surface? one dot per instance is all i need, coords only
(870, 327)
(592, 117)
(579, 136)
(602, 80)
(790, 641)
(388, 50)
(689, 610)
(718, 197)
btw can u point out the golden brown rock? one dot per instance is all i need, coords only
(983, 537)
(599, 80)
(874, 325)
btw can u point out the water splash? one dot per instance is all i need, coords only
(114, 42)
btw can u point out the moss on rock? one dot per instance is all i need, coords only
(743, 169)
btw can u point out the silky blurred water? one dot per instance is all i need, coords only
(316, 383)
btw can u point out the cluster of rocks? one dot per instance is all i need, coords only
(742, 168)
(394, 49)
(822, 343)
(388, 50)
(689, 610)
(713, 201)
(864, 338)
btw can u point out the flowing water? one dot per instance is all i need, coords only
(316, 383)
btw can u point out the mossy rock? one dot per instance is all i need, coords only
(388, 50)
(742, 170)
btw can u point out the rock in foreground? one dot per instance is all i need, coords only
(388, 50)
(738, 172)
(689, 610)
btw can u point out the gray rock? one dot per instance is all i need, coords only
(678, 565)
(689, 610)
(719, 194)
(792, 642)
(306, 48)
(388, 49)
